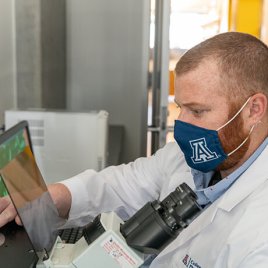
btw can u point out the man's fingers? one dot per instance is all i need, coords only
(7, 215)
(4, 202)
(17, 220)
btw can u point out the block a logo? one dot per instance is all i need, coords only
(201, 152)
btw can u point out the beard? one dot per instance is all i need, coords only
(231, 137)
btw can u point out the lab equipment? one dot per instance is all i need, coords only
(65, 143)
(107, 241)
(110, 242)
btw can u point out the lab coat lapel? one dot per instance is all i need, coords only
(201, 222)
(252, 178)
(256, 174)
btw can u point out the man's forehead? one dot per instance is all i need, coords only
(191, 95)
(198, 86)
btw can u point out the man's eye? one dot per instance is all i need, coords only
(197, 112)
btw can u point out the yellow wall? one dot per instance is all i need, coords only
(245, 16)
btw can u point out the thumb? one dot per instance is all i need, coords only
(18, 220)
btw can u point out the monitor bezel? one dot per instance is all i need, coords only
(9, 133)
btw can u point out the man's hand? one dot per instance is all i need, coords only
(7, 211)
(60, 195)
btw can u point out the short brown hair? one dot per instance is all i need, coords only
(242, 60)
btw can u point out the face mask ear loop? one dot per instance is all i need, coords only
(242, 142)
(235, 115)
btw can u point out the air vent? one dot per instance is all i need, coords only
(36, 122)
(38, 142)
(100, 163)
(37, 131)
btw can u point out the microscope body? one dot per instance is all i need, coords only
(110, 242)
(108, 250)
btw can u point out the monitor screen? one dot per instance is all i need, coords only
(23, 182)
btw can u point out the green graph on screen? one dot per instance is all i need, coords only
(8, 151)
(3, 190)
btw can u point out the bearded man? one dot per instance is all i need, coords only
(221, 89)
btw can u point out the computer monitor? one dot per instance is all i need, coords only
(27, 189)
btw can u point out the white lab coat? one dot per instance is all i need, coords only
(232, 232)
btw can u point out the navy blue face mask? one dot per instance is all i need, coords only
(202, 148)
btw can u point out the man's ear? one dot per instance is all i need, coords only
(258, 107)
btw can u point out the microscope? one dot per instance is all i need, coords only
(110, 242)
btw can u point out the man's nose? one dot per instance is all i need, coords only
(185, 117)
(182, 115)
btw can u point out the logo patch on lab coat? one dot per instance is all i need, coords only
(189, 262)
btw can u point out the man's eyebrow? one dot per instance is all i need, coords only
(190, 104)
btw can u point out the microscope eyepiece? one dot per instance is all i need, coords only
(156, 224)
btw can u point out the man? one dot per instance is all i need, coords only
(221, 87)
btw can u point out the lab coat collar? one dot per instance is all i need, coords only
(252, 178)
(201, 222)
